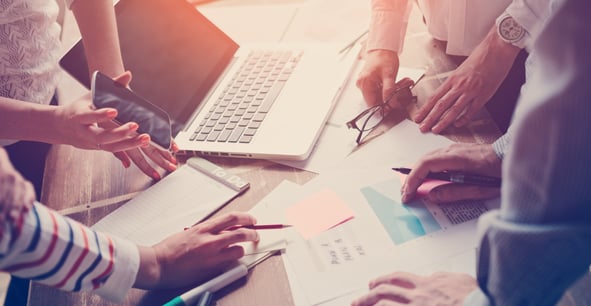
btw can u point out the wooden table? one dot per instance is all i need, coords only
(87, 185)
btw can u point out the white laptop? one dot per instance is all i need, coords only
(183, 63)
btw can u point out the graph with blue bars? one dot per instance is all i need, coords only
(402, 222)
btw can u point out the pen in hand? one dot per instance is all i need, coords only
(260, 226)
(460, 178)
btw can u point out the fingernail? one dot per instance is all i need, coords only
(174, 160)
(145, 140)
(112, 113)
(171, 167)
(155, 175)
(126, 164)
(133, 126)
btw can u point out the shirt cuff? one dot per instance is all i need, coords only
(501, 145)
(477, 298)
(125, 269)
(387, 30)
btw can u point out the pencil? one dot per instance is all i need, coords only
(460, 178)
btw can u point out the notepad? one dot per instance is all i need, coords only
(188, 195)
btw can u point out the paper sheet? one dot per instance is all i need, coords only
(181, 199)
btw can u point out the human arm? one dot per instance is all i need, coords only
(464, 157)
(544, 218)
(48, 248)
(469, 87)
(388, 23)
(73, 124)
(97, 23)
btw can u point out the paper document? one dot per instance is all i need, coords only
(183, 198)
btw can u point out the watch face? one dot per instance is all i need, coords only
(510, 30)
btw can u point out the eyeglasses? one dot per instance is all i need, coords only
(368, 119)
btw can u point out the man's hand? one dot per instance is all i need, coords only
(16, 194)
(377, 79)
(470, 158)
(401, 288)
(196, 254)
(469, 87)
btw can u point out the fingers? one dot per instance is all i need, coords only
(92, 116)
(451, 115)
(371, 90)
(219, 224)
(124, 158)
(439, 107)
(124, 78)
(138, 159)
(161, 158)
(457, 192)
(384, 294)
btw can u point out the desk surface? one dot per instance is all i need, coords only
(87, 185)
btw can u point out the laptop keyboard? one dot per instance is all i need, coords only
(243, 105)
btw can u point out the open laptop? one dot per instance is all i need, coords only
(183, 63)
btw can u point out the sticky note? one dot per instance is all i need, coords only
(426, 186)
(318, 212)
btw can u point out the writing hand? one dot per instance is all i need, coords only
(195, 254)
(472, 158)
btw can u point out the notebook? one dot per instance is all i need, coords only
(190, 68)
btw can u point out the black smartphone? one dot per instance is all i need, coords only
(130, 107)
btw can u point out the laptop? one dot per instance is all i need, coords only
(266, 101)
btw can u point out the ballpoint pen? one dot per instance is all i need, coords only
(460, 178)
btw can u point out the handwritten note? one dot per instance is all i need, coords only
(317, 213)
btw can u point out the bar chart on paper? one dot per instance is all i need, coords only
(407, 222)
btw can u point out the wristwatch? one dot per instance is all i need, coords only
(511, 31)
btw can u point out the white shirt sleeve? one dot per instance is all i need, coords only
(388, 22)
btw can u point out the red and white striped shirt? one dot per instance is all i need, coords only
(46, 247)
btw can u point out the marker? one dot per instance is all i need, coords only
(192, 296)
(460, 178)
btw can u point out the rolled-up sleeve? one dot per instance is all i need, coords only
(388, 22)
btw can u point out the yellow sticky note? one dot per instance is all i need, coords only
(317, 213)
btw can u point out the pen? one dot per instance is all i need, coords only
(190, 297)
(255, 227)
(205, 299)
(460, 178)
(260, 226)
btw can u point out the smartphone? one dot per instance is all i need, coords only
(130, 107)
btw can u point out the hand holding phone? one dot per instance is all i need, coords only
(130, 107)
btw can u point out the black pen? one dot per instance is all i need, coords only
(460, 178)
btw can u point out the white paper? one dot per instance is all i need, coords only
(179, 200)
(385, 236)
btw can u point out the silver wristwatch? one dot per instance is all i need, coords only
(511, 31)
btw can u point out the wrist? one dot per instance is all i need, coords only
(149, 272)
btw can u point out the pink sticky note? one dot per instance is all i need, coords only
(426, 186)
(317, 213)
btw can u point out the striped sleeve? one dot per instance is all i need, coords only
(43, 246)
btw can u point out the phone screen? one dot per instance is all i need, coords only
(132, 108)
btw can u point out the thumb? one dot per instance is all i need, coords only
(124, 78)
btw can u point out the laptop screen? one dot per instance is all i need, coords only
(174, 53)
